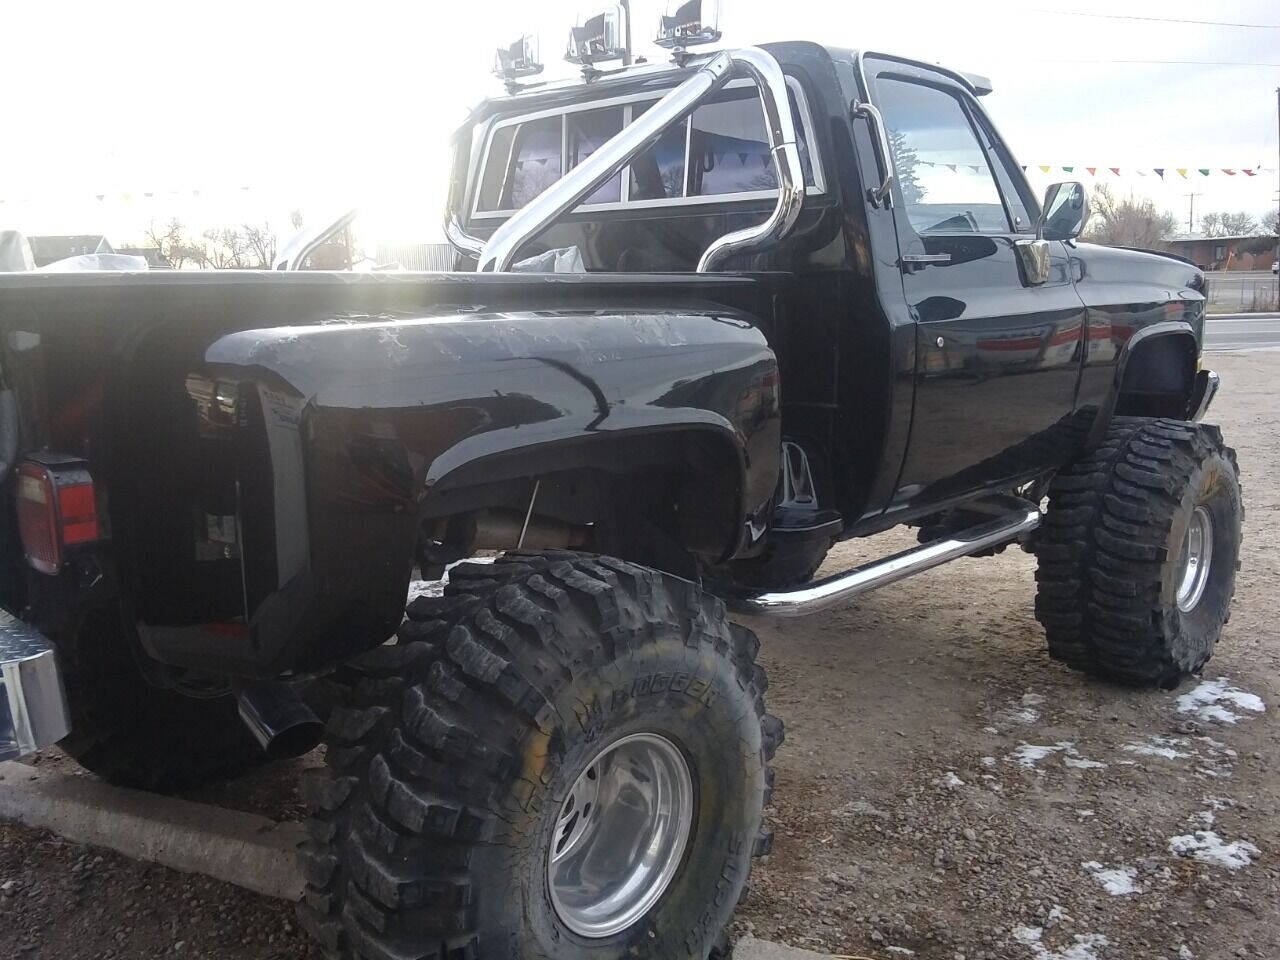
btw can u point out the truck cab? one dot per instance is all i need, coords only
(936, 340)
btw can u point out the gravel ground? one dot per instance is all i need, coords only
(945, 790)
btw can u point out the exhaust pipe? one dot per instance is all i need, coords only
(282, 724)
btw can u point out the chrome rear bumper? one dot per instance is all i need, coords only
(33, 706)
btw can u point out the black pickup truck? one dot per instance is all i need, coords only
(819, 301)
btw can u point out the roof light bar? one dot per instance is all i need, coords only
(689, 25)
(598, 40)
(517, 60)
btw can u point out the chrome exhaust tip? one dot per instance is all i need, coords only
(282, 724)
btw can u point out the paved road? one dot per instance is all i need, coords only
(1242, 331)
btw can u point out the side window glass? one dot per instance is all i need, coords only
(729, 146)
(946, 182)
(586, 131)
(658, 173)
(524, 159)
(1023, 221)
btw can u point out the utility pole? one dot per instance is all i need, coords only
(1191, 216)
(1278, 194)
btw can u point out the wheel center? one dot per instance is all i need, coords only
(1197, 556)
(620, 835)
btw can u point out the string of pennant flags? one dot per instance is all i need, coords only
(1186, 173)
(1163, 173)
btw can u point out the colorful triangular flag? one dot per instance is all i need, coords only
(1115, 170)
(1068, 169)
(1204, 171)
(1159, 172)
(1182, 172)
(1229, 173)
(1044, 168)
(1250, 173)
(1092, 170)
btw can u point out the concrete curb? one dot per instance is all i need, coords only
(240, 848)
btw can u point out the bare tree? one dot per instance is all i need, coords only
(225, 249)
(1228, 224)
(1127, 222)
(173, 244)
(261, 243)
(1270, 222)
(1211, 224)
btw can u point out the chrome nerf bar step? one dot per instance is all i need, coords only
(33, 707)
(843, 587)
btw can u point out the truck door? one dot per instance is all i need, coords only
(997, 357)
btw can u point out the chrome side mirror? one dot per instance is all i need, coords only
(1065, 212)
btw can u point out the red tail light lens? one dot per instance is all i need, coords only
(57, 507)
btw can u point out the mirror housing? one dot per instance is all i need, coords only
(1065, 212)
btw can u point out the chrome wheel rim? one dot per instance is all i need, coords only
(620, 835)
(1197, 557)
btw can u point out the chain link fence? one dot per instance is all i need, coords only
(1241, 294)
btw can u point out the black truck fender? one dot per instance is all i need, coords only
(350, 431)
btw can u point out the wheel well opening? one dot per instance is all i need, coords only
(1158, 378)
(667, 500)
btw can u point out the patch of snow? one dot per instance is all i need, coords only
(1084, 813)
(900, 951)
(1184, 952)
(988, 761)
(1032, 700)
(1157, 747)
(1207, 847)
(1086, 945)
(1029, 754)
(990, 730)
(1083, 763)
(435, 588)
(425, 588)
(1117, 881)
(1027, 936)
(1210, 700)
(949, 781)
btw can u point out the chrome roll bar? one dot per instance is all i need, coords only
(567, 192)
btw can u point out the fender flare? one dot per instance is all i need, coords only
(1164, 328)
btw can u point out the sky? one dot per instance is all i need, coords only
(221, 113)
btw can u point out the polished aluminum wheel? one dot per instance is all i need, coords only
(1197, 557)
(621, 834)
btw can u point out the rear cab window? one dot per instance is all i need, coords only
(720, 153)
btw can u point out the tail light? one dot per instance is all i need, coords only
(57, 508)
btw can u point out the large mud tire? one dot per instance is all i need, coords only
(133, 734)
(1111, 552)
(446, 773)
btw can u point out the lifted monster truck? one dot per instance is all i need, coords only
(820, 302)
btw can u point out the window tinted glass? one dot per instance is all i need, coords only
(495, 169)
(524, 159)
(658, 173)
(586, 131)
(942, 169)
(729, 148)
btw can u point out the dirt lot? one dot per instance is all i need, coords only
(945, 790)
